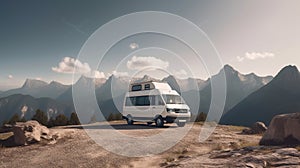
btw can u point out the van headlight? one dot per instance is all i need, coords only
(170, 110)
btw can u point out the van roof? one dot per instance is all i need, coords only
(161, 86)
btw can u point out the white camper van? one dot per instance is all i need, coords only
(154, 102)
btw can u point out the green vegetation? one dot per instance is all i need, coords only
(15, 118)
(201, 117)
(40, 117)
(61, 120)
(74, 120)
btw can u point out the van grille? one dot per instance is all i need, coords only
(180, 110)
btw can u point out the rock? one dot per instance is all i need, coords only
(250, 165)
(183, 157)
(289, 162)
(247, 131)
(283, 130)
(221, 155)
(288, 152)
(30, 132)
(257, 128)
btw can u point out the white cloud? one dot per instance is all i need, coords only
(240, 59)
(255, 55)
(133, 46)
(181, 73)
(119, 74)
(138, 63)
(69, 65)
(10, 76)
(98, 74)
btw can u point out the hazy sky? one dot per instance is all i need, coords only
(35, 36)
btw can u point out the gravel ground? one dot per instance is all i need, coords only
(77, 149)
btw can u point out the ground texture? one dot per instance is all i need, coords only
(226, 147)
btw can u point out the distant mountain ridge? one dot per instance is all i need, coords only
(184, 85)
(238, 85)
(38, 89)
(66, 97)
(279, 96)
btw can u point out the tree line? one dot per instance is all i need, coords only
(59, 120)
(42, 118)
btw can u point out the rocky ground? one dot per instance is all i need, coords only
(226, 147)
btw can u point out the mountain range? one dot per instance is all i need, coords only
(249, 97)
(238, 86)
(38, 89)
(26, 106)
(280, 96)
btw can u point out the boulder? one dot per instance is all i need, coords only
(30, 132)
(257, 128)
(283, 130)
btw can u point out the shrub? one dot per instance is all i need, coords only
(23, 119)
(40, 117)
(201, 117)
(61, 120)
(15, 118)
(74, 120)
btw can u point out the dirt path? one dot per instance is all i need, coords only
(77, 149)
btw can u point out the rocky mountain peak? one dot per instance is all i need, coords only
(33, 83)
(229, 69)
(288, 73)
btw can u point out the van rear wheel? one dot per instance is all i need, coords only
(129, 120)
(159, 122)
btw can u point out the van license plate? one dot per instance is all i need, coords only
(182, 121)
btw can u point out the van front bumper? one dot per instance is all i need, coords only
(172, 119)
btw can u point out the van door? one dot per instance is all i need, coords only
(140, 111)
(157, 105)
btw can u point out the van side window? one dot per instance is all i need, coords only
(146, 101)
(130, 101)
(147, 86)
(142, 101)
(136, 87)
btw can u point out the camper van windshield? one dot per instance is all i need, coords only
(173, 99)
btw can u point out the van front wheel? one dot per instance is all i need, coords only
(159, 122)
